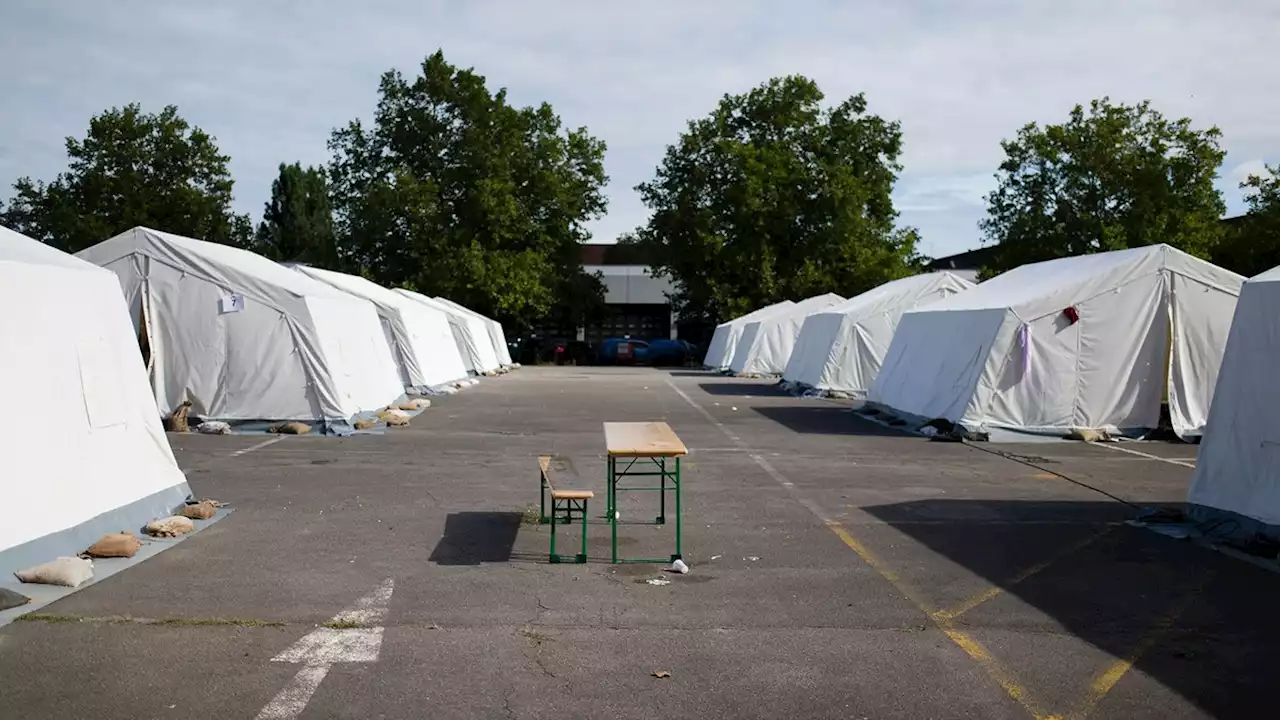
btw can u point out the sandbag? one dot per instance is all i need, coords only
(198, 511)
(395, 411)
(121, 544)
(1086, 435)
(214, 427)
(392, 419)
(365, 424)
(177, 420)
(415, 404)
(290, 428)
(11, 599)
(65, 571)
(170, 527)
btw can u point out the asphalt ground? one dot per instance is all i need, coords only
(839, 569)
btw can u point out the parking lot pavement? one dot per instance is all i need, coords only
(839, 569)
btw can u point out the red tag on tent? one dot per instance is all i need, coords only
(1073, 315)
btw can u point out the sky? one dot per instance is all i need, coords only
(271, 79)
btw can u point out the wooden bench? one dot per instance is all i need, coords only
(562, 500)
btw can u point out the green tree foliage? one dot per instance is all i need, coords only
(453, 191)
(132, 168)
(1251, 244)
(1111, 177)
(772, 197)
(297, 223)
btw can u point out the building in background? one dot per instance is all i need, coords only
(637, 302)
(966, 264)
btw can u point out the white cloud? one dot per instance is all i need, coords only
(270, 80)
(1248, 169)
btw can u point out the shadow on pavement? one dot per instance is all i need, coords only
(472, 538)
(739, 389)
(1207, 621)
(821, 418)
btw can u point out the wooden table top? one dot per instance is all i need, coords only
(642, 439)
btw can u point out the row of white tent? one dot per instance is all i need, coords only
(82, 448)
(1092, 342)
(244, 338)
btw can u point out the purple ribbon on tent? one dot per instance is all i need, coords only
(1024, 339)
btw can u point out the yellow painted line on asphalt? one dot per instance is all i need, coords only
(997, 590)
(1106, 682)
(971, 647)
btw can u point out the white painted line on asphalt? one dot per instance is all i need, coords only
(710, 418)
(765, 465)
(1171, 461)
(318, 650)
(259, 446)
(371, 609)
(293, 699)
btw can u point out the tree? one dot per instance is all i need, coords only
(1251, 243)
(132, 168)
(773, 197)
(453, 191)
(1111, 177)
(297, 223)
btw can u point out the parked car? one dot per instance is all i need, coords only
(623, 351)
(671, 352)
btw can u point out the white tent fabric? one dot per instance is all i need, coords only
(469, 333)
(82, 451)
(420, 336)
(497, 337)
(244, 338)
(1236, 468)
(1006, 353)
(727, 334)
(841, 348)
(766, 342)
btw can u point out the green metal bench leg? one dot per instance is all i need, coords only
(554, 557)
(582, 556)
(542, 500)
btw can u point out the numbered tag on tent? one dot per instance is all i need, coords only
(232, 303)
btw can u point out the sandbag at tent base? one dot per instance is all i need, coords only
(72, 540)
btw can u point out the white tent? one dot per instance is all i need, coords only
(727, 334)
(420, 336)
(766, 342)
(497, 337)
(469, 334)
(1237, 475)
(1080, 342)
(82, 452)
(244, 338)
(841, 348)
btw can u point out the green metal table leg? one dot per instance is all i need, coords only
(613, 508)
(678, 484)
(662, 495)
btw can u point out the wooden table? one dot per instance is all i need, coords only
(651, 444)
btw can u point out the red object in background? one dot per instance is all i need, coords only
(1073, 315)
(625, 351)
